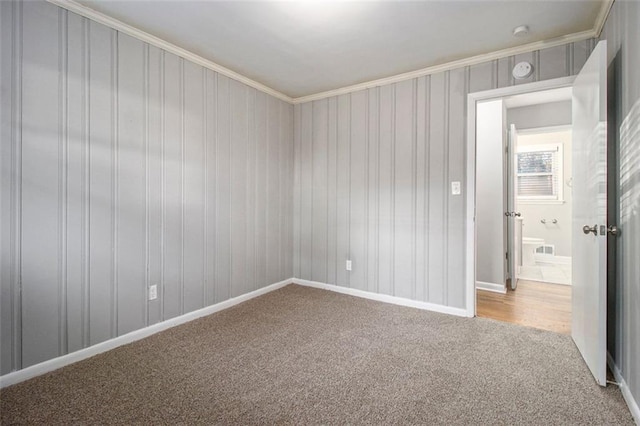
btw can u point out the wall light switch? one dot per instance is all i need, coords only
(153, 292)
(348, 265)
(455, 188)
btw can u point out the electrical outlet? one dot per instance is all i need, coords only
(153, 292)
(348, 265)
(455, 188)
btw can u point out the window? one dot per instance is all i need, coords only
(539, 173)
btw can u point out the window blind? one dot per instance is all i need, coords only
(538, 174)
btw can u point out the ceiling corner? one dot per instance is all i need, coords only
(87, 12)
(601, 19)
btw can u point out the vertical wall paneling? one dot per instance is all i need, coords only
(505, 66)
(42, 176)
(126, 166)
(172, 187)
(358, 156)
(261, 189)
(397, 148)
(332, 190)
(193, 197)
(223, 187)
(286, 188)
(403, 186)
(344, 185)
(437, 187)
(482, 76)
(145, 99)
(306, 195)
(319, 230)
(238, 183)
(63, 178)
(371, 209)
(385, 188)
(75, 175)
(579, 54)
(421, 161)
(622, 33)
(130, 187)
(297, 190)
(273, 192)
(11, 172)
(113, 285)
(555, 60)
(154, 189)
(457, 95)
(250, 197)
(100, 183)
(211, 153)
(282, 175)
(319, 154)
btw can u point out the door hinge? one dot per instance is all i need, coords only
(506, 256)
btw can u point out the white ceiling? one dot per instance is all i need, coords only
(305, 47)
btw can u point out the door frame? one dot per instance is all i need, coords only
(470, 199)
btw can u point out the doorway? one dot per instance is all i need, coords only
(523, 209)
(591, 228)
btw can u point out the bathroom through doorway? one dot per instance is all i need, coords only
(524, 201)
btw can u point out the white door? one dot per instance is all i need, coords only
(589, 211)
(513, 218)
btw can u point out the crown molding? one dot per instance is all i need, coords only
(448, 66)
(601, 19)
(117, 25)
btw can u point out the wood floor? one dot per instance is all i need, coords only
(534, 304)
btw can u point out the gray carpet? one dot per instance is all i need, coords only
(305, 356)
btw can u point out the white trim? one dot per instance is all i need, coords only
(493, 287)
(87, 12)
(117, 25)
(384, 298)
(520, 89)
(558, 148)
(545, 129)
(470, 226)
(624, 388)
(473, 60)
(59, 362)
(552, 259)
(601, 19)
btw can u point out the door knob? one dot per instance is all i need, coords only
(586, 229)
(507, 214)
(517, 214)
(613, 230)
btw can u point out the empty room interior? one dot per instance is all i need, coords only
(320, 212)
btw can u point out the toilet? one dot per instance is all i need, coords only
(529, 246)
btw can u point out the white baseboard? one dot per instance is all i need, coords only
(494, 287)
(626, 393)
(551, 259)
(59, 362)
(461, 312)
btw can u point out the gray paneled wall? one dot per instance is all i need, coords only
(622, 32)
(372, 179)
(125, 166)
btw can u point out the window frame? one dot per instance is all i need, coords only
(542, 199)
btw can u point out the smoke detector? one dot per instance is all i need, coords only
(521, 31)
